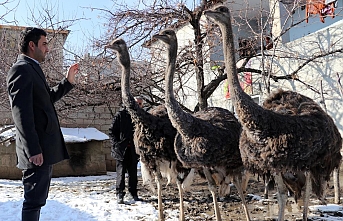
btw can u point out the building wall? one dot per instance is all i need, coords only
(5, 115)
(85, 159)
(301, 42)
(10, 37)
(321, 73)
(99, 117)
(185, 36)
(314, 24)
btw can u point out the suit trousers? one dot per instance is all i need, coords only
(36, 183)
(129, 165)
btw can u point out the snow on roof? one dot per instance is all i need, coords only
(79, 135)
(71, 135)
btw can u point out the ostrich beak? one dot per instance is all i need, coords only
(210, 14)
(156, 36)
(110, 44)
(160, 37)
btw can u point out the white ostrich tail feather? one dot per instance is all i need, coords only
(187, 182)
(168, 170)
(225, 187)
(147, 177)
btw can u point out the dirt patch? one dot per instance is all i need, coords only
(199, 206)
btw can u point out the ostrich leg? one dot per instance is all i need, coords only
(238, 183)
(266, 190)
(182, 212)
(267, 183)
(158, 178)
(307, 194)
(245, 180)
(336, 185)
(282, 196)
(213, 190)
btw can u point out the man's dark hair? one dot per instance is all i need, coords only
(30, 34)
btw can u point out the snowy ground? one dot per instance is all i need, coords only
(93, 198)
(75, 198)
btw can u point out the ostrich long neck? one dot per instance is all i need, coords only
(179, 119)
(137, 113)
(246, 108)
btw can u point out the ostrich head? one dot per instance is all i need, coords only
(119, 45)
(219, 14)
(167, 36)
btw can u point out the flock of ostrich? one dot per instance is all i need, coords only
(283, 138)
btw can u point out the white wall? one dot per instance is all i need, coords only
(314, 24)
(323, 37)
(322, 70)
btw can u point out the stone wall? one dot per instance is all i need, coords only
(5, 114)
(85, 159)
(99, 117)
(8, 161)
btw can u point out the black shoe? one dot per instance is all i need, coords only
(136, 198)
(120, 199)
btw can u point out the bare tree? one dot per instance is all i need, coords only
(137, 24)
(99, 82)
(6, 8)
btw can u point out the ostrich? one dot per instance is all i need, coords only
(281, 139)
(153, 137)
(207, 140)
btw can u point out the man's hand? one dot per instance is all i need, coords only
(37, 159)
(72, 71)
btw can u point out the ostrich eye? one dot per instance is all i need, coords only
(223, 9)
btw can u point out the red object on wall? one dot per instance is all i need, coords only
(245, 79)
(322, 7)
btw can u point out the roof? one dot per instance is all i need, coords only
(71, 135)
(19, 28)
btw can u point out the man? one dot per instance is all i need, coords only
(123, 150)
(39, 140)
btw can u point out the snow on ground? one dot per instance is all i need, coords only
(93, 198)
(76, 198)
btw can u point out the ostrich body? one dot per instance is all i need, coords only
(207, 140)
(153, 137)
(291, 134)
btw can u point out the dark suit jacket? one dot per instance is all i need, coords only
(32, 102)
(121, 134)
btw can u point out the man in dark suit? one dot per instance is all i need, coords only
(123, 150)
(39, 140)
